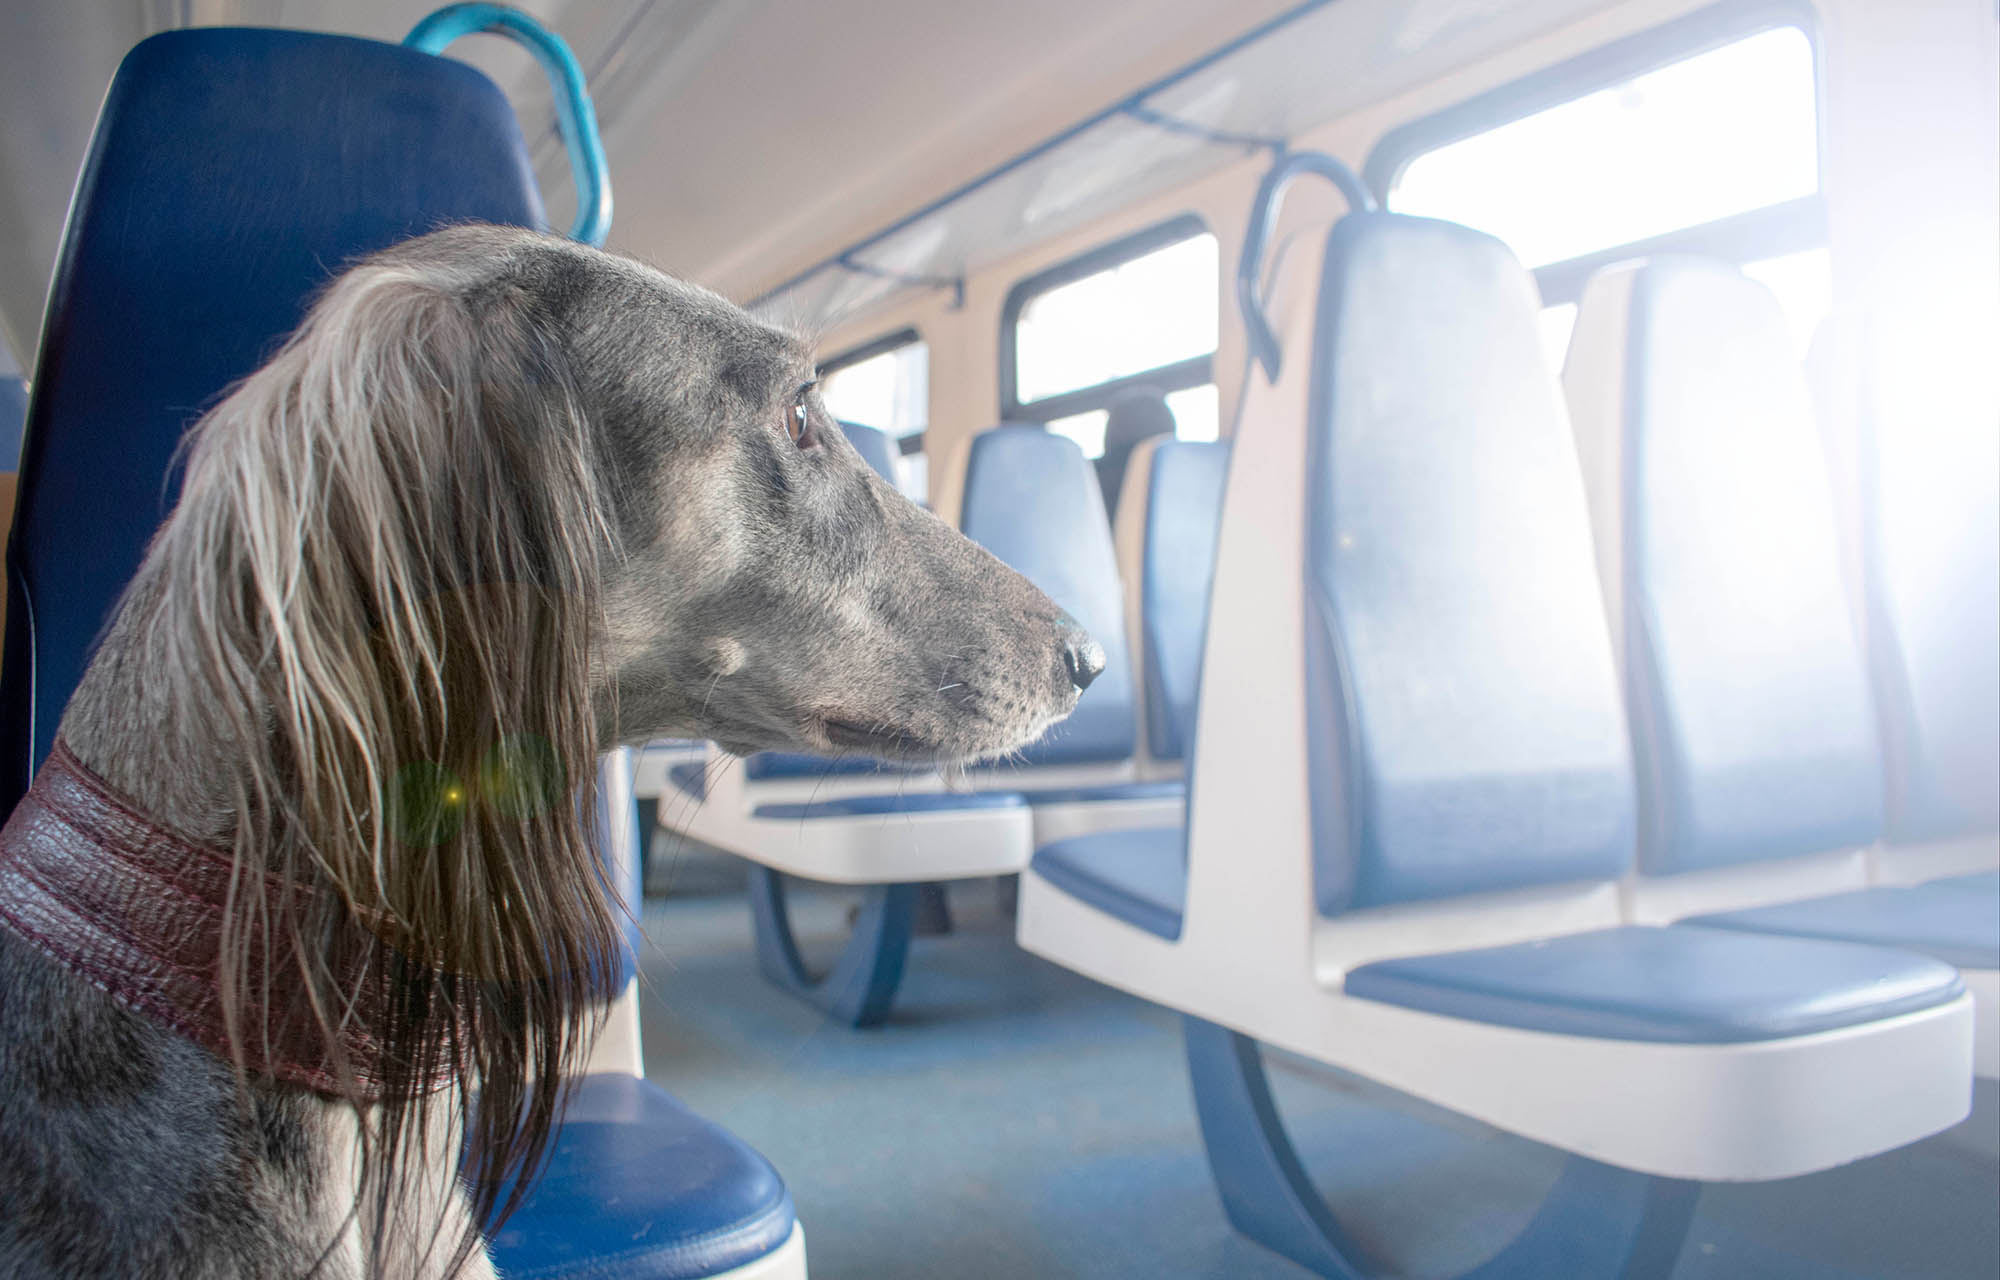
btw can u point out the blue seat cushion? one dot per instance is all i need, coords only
(1977, 882)
(1683, 984)
(798, 764)
(640, 1188)
(690, 778)
(864, 806)
(1169, 790)
(1138, 876)
(1957, 925)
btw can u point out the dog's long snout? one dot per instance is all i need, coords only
(1082, 656)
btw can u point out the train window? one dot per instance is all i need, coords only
(1139, 312)
(885, 384)
(1624, 152)
(1196, 410)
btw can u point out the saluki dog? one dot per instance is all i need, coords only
(307, 875)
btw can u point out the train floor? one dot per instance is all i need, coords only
(1013, 1120)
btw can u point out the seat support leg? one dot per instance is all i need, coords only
(1598, 1220)
(861, 985)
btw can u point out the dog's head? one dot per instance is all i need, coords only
(501, 502)
(765, 588)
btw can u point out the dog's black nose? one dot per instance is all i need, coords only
(1083, 657)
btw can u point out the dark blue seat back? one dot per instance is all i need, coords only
(1183, 518)
(1032, 499)
(232, 174)
(874, 446)
(1464, 727)
(1755, 734)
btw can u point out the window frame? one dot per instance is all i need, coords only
(894, 340)
(1791, 226)
(1178, 376)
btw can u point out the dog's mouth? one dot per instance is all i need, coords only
(886, 741)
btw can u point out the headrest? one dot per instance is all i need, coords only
(1133, 418)
(1032, 499)
(232, 174)
(1463, 718)
(1754, 732)
(875, 448)
(1183, 519)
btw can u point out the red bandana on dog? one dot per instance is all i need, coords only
(138, 911)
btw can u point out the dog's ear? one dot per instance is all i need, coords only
(410, 508)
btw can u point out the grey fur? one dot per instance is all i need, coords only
(719, 580)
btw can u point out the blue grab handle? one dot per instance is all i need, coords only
(574, 114)
(1263, 220)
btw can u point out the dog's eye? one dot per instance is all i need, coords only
(799, 423)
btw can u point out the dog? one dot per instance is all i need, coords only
(501, 503)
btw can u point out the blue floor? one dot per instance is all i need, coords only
(1014, 1120)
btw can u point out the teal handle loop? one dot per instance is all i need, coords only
(574, 114)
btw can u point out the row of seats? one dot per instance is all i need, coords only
(1449, 816)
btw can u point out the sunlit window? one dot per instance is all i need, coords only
(1153, 310)
(1717, 152)
(886, 385)
(1139, 312)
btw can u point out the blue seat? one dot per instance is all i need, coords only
(1032, 499)
(1463, 706)
(1183, 519)
(1139, 877)
(875, 446)
(1165, 789)
(200, 230)
(1958, 923)
(913, 802)
(1977, 882)
(1753, 726)
(638, 1187)
(232, 174)
(1677, 984)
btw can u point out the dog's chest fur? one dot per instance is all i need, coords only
(130, 1152)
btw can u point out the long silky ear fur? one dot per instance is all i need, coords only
(388, 553)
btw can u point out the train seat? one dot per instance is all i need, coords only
(1167, 527)
(1415, 875)
(231, 172)
(637, 1187)
(1032, 499)
(1165, 537)
(874, 446)
(1916, 481)
(1754, 732)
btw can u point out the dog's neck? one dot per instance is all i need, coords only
(139, 911)
(118, 865)
(127, 723)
